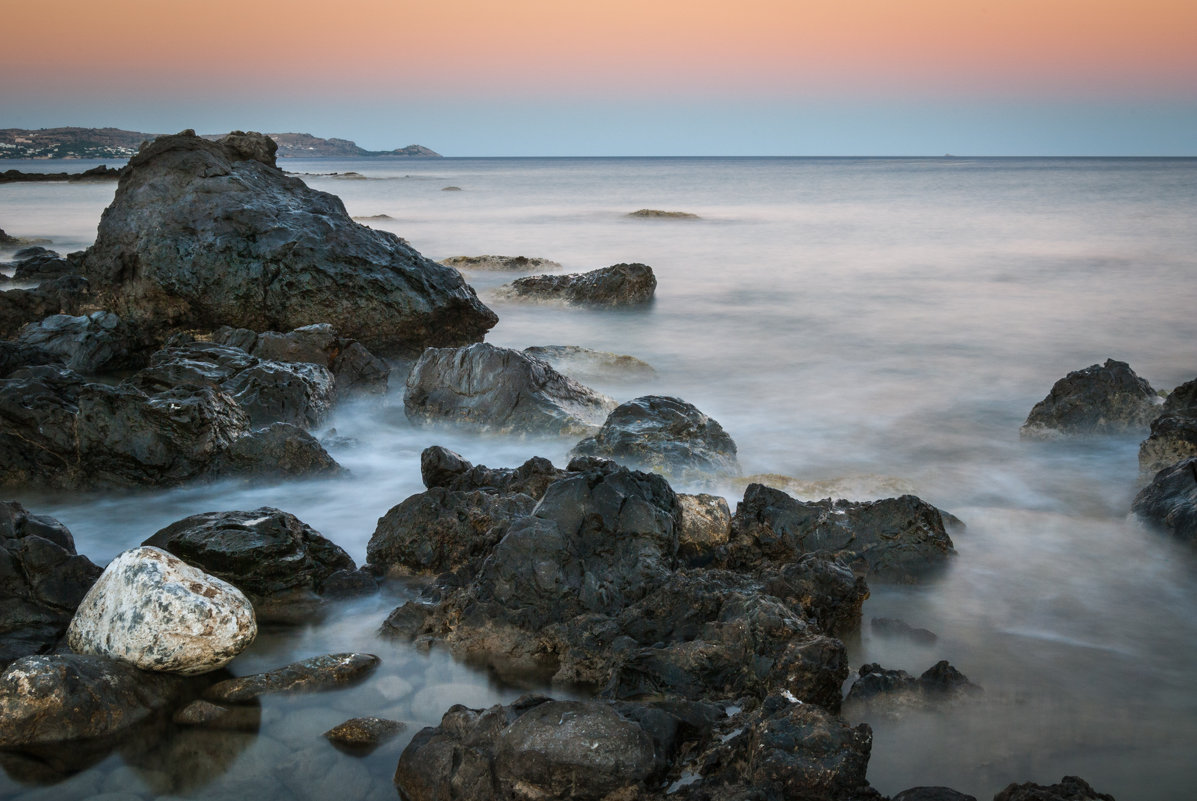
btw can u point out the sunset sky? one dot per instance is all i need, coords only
(651, 77)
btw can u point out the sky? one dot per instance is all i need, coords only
(622, 77)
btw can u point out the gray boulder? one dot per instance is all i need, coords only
(208, 233)
(92, 343)
(1173, 434)
(617, 285)
(663, 434)
(501, 390)
(1098, 400)
(18, 307)
(39, 264)
(1169, 502)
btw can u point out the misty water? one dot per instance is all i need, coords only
(865, 328)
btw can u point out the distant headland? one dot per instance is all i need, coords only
(114, 143)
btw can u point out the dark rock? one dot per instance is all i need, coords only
(213, 716)
(202, 234)
(1173, 434)
(441, 467)
(1169, 502)
(5, 239)
(617, 285)
(442, 530)
(63, 697)
(892, 627)
(657, 214)
(272, 556)
(585, 364)
(42, 581)
(349, 584)
(522, 264)
(501, 390)
(59, 296)
(310, 675)
(932, 794)
(663, 434)
(14, 356)
(94, 343)
(279, 450)
(1098, 400)
(820, 589)
(363, 735)
(887, 691)
(39, 264)
(1070, 788)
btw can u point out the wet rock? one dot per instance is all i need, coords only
(66, 295)
(42, 581)
(501, 390)
(663, 434)
(441, 467)
(272, 556)
(658, 214)
(896, 538)
(932, 794)
(1173, 434)
(1169, 502)
(154, 611)
(309, 675)
(202, 234)
(706, 522)
(92, 343)
(362, 735)
(62, 697)
(14, 356)
(892, 627)
(889, 692)
(1098, 400)
(617, 285)
(818, 588)
(1070, 788)
(214, 716)
(279, 450)
(442, 530)
(39, 264)
(520, 264)
(585, 364)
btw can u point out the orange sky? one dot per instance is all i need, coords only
(616, 47)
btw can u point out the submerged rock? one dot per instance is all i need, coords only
(617, 285)
(362, 735)
(18, 307)
(522, 264)
(889, 692)
(202, 234)
(1169, 502)
(1098, 400)
(587, 364)
(658, 214)
(157, 612)
(92, 343)
(500, 390)
(892, 627)
(663, 434)
(306, 676)
(1070, 788)
(1173, 434)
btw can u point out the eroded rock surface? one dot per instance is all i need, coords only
(1100, 399)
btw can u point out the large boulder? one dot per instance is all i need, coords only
(617, 285)
(663, 434)
(893, 538)
(1173, 434)
(208, 233)
(153, 610)
(91, 343)
(1169, 502)
(501, 390)
(1098, 400)
(42, 581)
(65, 295)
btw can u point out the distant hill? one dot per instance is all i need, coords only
(114, 143)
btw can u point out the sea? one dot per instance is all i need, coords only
(862, 328)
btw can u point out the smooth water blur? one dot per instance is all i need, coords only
(877, 325)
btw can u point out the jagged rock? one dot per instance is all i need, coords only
(617, 285)
(272, 556)
(362, 735)
(819, 588)
(585, 364)
(501, 390)
(892, 627)
(202, 234)
(1169, 502)
(1100, 399)
(153, 610)
(441, 467)
(663, 434)
(1173, 434)
(895, 538)
(18, 307)
(309, 675)
(39, 264)
(62, 697)
(42, 581)
(522, 264)
(706, 522)
(91, 343)
(889, 692)
(1070, 788)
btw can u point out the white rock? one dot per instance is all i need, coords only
(156, 611)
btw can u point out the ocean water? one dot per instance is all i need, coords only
(865, 327)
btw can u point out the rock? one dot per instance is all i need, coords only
(93, 343)
(270, 555)
(450, 188)
(14, 356)
(441, 467)
(521, 264)
(1070, 788)
(892, 627)
(18, 307)
(657, 214)
(500, 390)
(1173, 434)
(42, 581)
(39, 264)
(1169, 502)
(706, 521)
(154, 611)
(895, 539)
(889, 692)
(5, 239)
(213, 716)
(663, 434)
(279, 450)
(309, 675)
(592, 365)
(362, 735)
(617, 285)
(1098, 400)
(202, 234)
(63, 697)
(442, 530)
(818, 588)
(932, 794)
